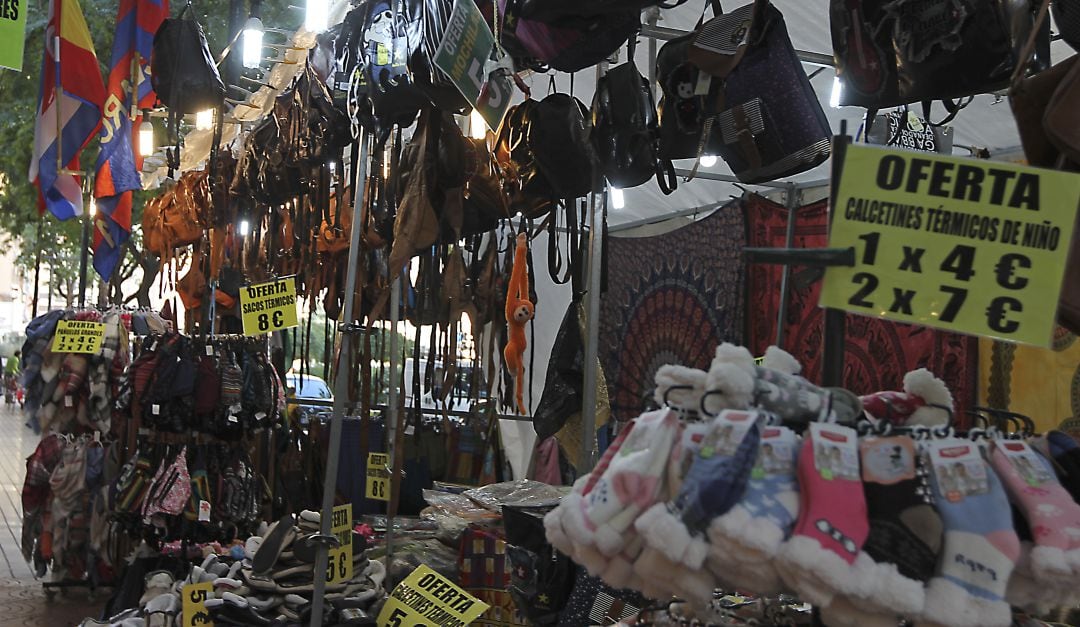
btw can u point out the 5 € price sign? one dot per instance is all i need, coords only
(465, 55)
(268, 307)
(78, 336)
(194, 604)
(339, 566)
(965, 245)
(378, 479)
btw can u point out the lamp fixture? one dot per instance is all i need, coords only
(707, 161)
(253, 38)
(245, 228)
(146, 136)
(204, 120)
(837, 89)
(618, 201)
(317, 15)
(477, 125)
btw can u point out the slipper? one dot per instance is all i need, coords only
(264, 604)
(277, 539)
(354, 616)
(305, 571)
(158, 582)
(294, 600)
(261, 583)
(162, 610)
(376, 572)
(252, 546)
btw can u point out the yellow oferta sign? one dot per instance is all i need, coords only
(965, 245)
(77, 336)
(427, 598)
(268, 307)
(340, 565)
(378, 479)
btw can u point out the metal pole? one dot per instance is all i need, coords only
(37, 268)
(341, 389)
(84, 252)
(793, 210)
(57, 96)
(392, 415)
(592, 317)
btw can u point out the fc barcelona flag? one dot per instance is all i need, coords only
(68, 116)
(128, 93)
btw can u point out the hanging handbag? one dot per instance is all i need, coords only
(1067, 19)
(569, 45)
(626, 132)
(895, 52)
(182, 70)
(735, 88)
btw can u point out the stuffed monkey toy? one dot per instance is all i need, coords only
(519, 311)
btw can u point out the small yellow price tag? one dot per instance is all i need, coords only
(194, 604)
(268, 307)
(77, 336)
(339, 566)
(378, 480)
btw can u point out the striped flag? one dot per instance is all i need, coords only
(119, 162)
(79, 101)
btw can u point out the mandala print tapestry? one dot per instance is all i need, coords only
(878, 352)
(670, 300)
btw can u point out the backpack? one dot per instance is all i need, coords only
(626, 133)
(555, 10)
(183, 72)
(569, 45)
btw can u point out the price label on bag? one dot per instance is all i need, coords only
(378, 479)
(194, 605)
(77, 336)
(339, 566)
(427, 598)
(268, 307)
(964, 245)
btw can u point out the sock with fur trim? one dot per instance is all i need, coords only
(715, 482)
(905, 530)
(743, 541)
(981, 547)
(819, 559)
(633, 480)
(1052, 515)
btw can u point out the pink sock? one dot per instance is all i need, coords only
(1051, 513)
(818, 560)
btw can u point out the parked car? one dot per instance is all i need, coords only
(309, 388)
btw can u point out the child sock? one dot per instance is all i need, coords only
(905, 530)
(819, 559)
(1052, 515)
(743, 542)
(980, 548)
(715, 482)
(1066, 453)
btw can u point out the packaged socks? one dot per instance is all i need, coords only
(980, 547)
(820, 557)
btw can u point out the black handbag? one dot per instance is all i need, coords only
(735, 88)
(541, 578)
(183, 72)
(626, 131)
(890, 53)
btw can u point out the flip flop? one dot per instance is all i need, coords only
(280, 535)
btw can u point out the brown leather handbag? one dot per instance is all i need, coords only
(1062, 118)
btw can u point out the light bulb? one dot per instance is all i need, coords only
(204, 120)
(837, 89)
(477, 125)
(317, 15)
(617, 199)
(708, 161)
(245, 228)
(93, 206)
(146, 138)
(253, 36)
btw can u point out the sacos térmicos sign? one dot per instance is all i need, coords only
(966, 245)
(268, 307)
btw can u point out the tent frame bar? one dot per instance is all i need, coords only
(666, 34)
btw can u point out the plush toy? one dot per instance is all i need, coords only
(519, 311)
(912, 406)
(774, 386)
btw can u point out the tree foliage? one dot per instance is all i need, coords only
(60, 242)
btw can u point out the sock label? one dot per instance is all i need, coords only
(888, 461)
(1026, 462)
(775, 455)
(730, 429)
(958, 468)
(836, 454)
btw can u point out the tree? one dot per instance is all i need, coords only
(60, 242)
